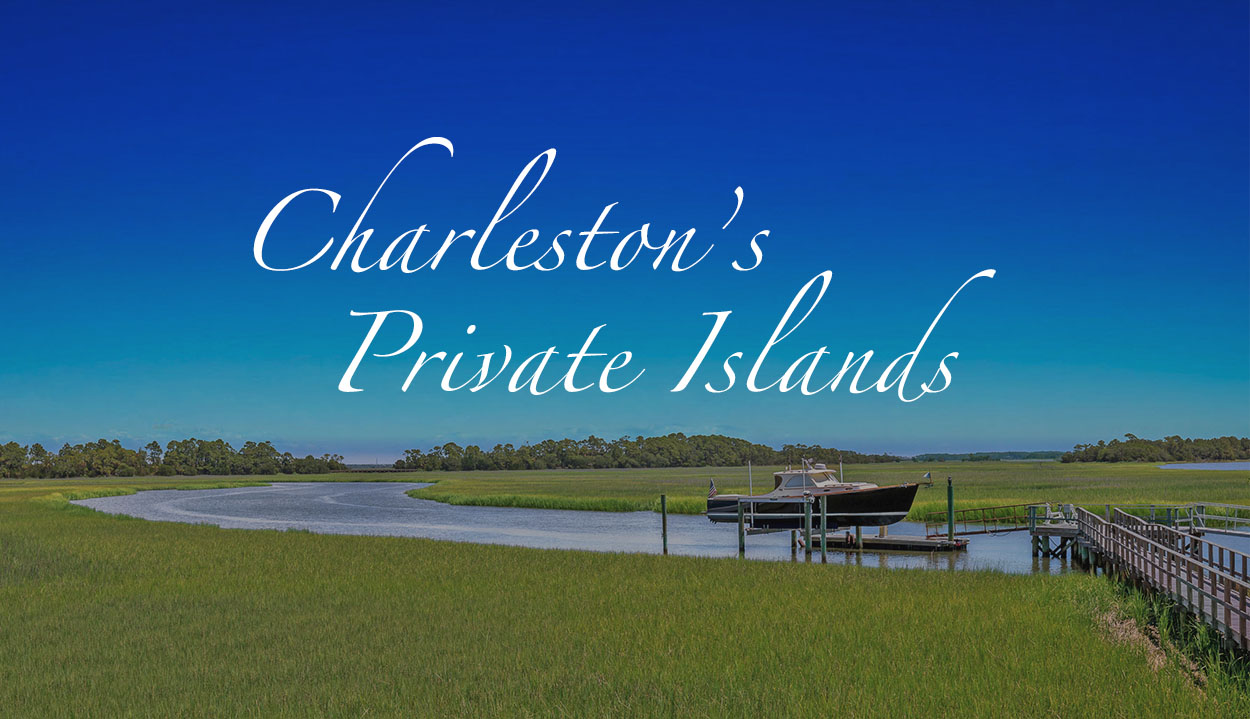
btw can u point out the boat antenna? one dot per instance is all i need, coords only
(840, 477)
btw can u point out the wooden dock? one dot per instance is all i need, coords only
(1055, 538)
(1208, 580)
(1161, 551)
(896, 542)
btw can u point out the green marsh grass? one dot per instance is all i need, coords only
(977, 484)
(1187, 641)
(110, 616)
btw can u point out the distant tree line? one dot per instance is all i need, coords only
(1168, 449)
(986, 456)
(105, 458)
(673, 450)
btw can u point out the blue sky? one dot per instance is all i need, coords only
(1096, 157)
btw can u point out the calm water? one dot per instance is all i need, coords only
(382, 508)
(1242, 466)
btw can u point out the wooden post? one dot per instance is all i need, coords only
(950, 510)
(824, 531)
(664, 521)
(742, 532)
(794, 541)
(859, 537)
(807, 526)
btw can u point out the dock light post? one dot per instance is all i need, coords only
(950, 510)
(664, 521)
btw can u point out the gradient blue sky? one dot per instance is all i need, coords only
(1094, 154)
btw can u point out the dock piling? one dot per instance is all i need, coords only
(664, 521)
(807, 526)
(950, 510)
(824, 532)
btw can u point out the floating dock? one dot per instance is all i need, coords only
(895, 542)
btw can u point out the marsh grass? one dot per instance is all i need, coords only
(107, 616)
(977, 484)
(1189, 643)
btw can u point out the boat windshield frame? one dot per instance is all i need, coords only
(806, 479)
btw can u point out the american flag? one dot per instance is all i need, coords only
(711, 490)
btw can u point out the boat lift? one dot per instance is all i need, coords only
(815, 520)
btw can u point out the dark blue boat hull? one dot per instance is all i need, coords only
(872, 507)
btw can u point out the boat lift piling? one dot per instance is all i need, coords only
(824, 532)
(807, 526)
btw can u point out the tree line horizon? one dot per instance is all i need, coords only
(191, 457)
(187, 457)
(1169, 449)
(680, 450)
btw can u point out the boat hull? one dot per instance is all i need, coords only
(870, 507)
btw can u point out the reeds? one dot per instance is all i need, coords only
(977, 484)
(106, 616)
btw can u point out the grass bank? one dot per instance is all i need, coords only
(976, 484)
(109, 616)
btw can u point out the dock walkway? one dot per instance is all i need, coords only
(1208, 580)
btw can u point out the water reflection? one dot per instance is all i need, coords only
(382, 508)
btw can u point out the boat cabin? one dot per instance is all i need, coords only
(817, 476)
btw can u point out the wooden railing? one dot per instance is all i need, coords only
(1223, 518)
(1216, 518)
(1208, 580)
(1206, 516)
(1171, 515)
(1236, 564)
(979, 520)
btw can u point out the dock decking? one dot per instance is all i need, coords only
(1208, 580)
(899, 542)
